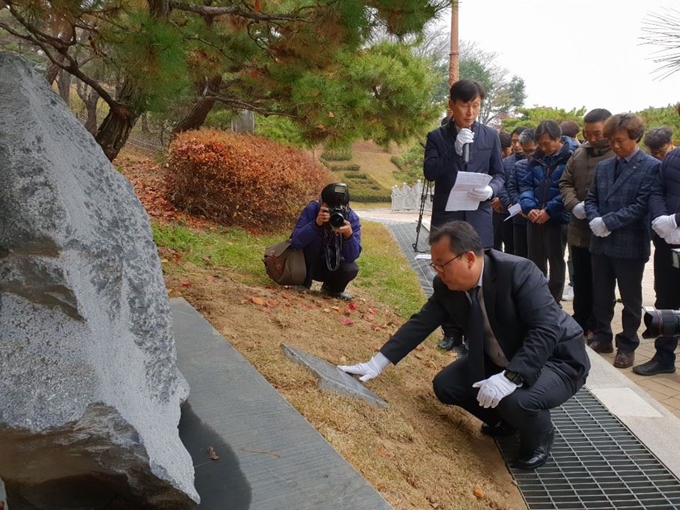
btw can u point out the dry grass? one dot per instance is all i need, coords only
(418, 453)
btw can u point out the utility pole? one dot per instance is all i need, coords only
(454, 55)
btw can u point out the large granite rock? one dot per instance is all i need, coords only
(89, 391)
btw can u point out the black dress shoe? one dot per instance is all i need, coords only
(653, 367)
(601, 347)
(538, 456)
(337, 295)
(447, 343)
(500, 429)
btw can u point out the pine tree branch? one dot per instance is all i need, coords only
(210, 12)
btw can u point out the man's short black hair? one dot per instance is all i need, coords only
(549, 127)
(506, 139)
(597, 115)
(518, 130)
(466, 90)
(335, 194)
(656, 138)
(462, 237)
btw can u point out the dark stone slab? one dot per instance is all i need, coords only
(331, 378)
(270, 458)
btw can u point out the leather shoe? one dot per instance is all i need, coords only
(653, 367)
(337, 295)
(447, 343)
(500, 429)
(601, 346)
(624, 359)
(454, 344)
(536, 457)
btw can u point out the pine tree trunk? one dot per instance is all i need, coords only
(201, 108)
(115, 129)
(64, 84)
(195, 118)
(91, 105)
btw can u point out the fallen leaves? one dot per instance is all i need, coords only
(212, 453)
(478, 492)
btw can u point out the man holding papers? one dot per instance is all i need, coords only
(464, 145)
(463, 159)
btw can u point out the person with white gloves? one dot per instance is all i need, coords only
(616, 211)
(664, 211)
(526, 354)
(445, 149)
(444, 158)
(574, 185)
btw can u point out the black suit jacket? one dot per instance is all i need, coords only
(527, 322)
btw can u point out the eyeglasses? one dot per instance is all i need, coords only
(440, 269)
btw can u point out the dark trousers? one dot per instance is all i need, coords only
(317, 269)
(503, 233)
(527, 408)
(667, 288)
(546, 243)
(519, 237)
(607, 271)
(583, 288)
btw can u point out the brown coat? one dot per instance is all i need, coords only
(574, 186)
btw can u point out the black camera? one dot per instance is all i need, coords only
(336, 196)
(661, 322)
(337, 218)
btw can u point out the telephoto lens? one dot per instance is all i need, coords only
(661, 322)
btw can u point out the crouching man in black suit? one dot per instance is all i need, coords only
(526, 354)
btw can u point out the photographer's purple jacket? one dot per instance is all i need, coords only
(306, 232)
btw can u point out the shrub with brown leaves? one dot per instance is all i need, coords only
(241, 180)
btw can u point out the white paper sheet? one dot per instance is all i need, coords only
(514, 211)
(423, 256)
(466, 181)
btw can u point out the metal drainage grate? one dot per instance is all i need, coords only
(405, 234)
(597, 463)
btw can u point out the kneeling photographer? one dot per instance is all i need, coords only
(329, 233)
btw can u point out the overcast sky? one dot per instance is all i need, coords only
(576, 53)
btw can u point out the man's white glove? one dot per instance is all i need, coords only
(494, 389)
(481, 194)
(579, 211)
(673, 237)
(599, 228)
(664, 225)
(464, 136)
(368, 370)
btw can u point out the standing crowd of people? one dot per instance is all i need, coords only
(603, 198)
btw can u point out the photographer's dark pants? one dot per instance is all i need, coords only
(666, 286)
(317, 269)
(607, 272)
(527, 408)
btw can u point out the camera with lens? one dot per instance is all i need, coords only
(337, 219)
(336, 196)
(661, 322)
